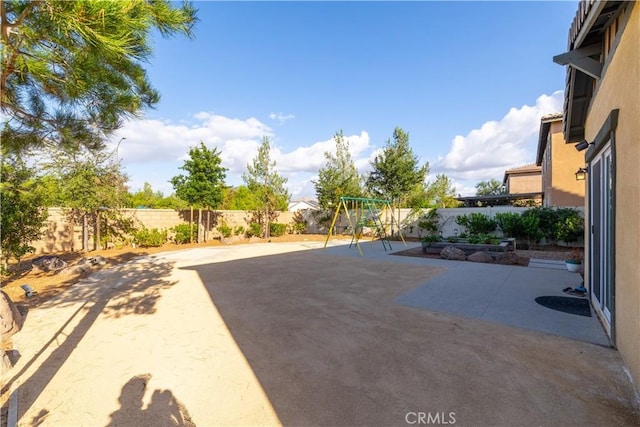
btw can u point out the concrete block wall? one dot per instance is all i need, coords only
(61, 235)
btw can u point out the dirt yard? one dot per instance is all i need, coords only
(48, 284)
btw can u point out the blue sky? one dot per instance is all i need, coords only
(468, 81)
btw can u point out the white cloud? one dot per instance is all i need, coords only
(281, 118)
(311, 158)
(155, 140)
(486, 152)
(154, 150)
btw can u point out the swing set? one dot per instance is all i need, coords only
(366, 215)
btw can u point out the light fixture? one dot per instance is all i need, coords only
(581, 174)
(583, 145)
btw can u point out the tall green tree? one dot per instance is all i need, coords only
(240, 198)
(267, 185)
(441, 193)
(22, 211)
(154, 199)
(72, 71)
(339, 177)
(396, 171)
(91, 186)
(203, 184)
(493, 187)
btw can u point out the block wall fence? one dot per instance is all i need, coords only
(62, 236)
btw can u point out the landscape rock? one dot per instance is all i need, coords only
(49, 263)
(10, 317)
(508, 258)
(453, 253)
(480, 257)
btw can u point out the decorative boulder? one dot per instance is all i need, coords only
(453, 253)
(10, 317)
(508, 258)
(49, 263)
(480, 257)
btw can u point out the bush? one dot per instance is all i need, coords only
(547, 220)
(484, 239)
(238, 231)
(184, 233)
(150, 238)
(570, 229)
(531, 227)
(429, 222)
(254, 229)
(431, 238)
(277, 229)
(511, 224)
(298, 227)
(225, 230)
(477, 223)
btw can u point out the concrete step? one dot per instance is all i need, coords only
(547, 263)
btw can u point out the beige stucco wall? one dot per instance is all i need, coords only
(525, 182)
(565, 161)
(620, 88)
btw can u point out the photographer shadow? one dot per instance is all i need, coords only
(163, 409)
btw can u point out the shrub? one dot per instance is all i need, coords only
(531, 227)
(298, 227)
(254, 229)
(511, 224)
(184, 233)
(429, 222)
(477, 223)
(570, 229)
(431, 238)
(150, 238)
(547, 220)
(277, 229)
(238, 231)
(225, 230)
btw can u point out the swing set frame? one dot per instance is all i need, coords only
(362, 213)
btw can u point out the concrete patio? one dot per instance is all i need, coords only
(269, 334)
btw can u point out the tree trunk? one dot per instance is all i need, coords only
(96, 243)
(266, 229)
(85, 233)
(206, 231)
(191, 225)
(72, 228)
(199, 225)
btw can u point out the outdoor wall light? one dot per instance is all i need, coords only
(583, 145)
(581, 174)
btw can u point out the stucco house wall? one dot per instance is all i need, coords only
(619, 88)
(565, 161)
(524, 182)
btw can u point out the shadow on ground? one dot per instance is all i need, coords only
(129, 289)
(163, 410)
(330, 347)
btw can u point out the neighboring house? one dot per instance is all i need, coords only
(526, 182)
(298, 205)
(523, 179)
(559, 161)
(602, 114)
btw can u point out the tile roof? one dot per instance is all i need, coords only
(524, 168)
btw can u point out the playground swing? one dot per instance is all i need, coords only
(364, 214)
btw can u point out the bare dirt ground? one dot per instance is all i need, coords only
(250, 340)
(49, 284)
